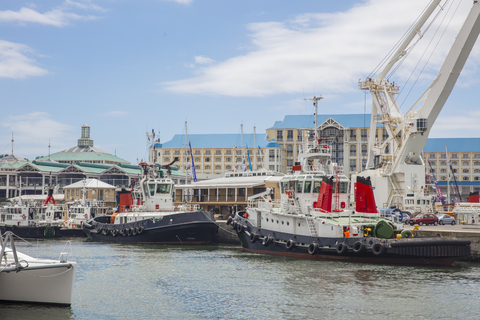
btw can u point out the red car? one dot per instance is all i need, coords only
(423, 219)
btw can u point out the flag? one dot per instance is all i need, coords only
(193, 165)
(249, 162)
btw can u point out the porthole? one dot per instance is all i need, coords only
(299, 224)
(277, 221)
(283, 222)
(267, 219)
(288, 223)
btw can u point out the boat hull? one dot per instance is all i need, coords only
(411, 251)
(51, 285)
(72, 233)
(193, 228)
(33, 232)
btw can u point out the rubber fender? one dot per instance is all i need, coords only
(378, 249)
(341, 248)
(358, 247)
(290, 244)
(313, 248)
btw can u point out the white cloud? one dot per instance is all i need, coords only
(463, 125)
(58, 16)
(327, 51)
(33, 131)
(15, 64)
(203, 60)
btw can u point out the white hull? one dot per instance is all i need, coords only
(43, 281)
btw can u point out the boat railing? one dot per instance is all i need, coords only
(264, 205)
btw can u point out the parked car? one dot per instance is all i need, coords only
(423, 219)
(446, 219)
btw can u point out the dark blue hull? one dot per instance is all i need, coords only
(33, 232)
(411, 251)
(185, 228)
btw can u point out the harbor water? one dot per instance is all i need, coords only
(117, 281)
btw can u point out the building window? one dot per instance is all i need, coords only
(217, 167)
(364, 134)
(353, 165)
(353, 135)
(197, 159)
(239, 160)
(454, 163)
(228, 152)
(465, 156)
(271, 155)
(271, 167)
(279, 135)
(454, 156)
(207, 167)
(454, 170)
(197, 152)
(443, 178)
(443, 170)
(433, 163)
(289, 151)
(208, 152)
(476, 156)
(385, 134)
(218, 152)
(197, 167)
(431, 156)
(167, 152)
(207, 159)
(299, 135)
(289, 135)
(465, 163)
(465, 178)
(228, 159)
(353, 150)
(228, 167)
(466, 171)
(443, 156)
(177, 152)
(476, 178)
(443, 163)
(238, 152)
(166, 159)
(218, 159)
(476, 171)
(364, 150)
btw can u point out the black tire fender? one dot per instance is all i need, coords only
(341, 248)
(358, 247)
(378, 249)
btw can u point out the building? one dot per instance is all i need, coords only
(19, 176)
(463, 154)
(91, 190)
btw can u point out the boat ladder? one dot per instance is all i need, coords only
(311, 226)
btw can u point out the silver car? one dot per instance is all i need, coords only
(446, 219)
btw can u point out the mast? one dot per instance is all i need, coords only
(241, 143)
(186, 151)
(315, 104)
(254, 148)
(448, 175)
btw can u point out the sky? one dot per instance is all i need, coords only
(128, 67)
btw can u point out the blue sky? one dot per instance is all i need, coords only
(126, 67)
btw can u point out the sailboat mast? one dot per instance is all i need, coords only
(254, 148)
(186, 151)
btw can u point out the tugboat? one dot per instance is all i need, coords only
(314, 222)
(27, 219)
(147, 214)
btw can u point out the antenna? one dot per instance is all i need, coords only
(12, 143)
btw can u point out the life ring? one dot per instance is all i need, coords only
(23, 217)
(341, 248)
(62, 225)
(289, 193)
(86, 216)
(266, 241)
(74, 226)
(378, 249)
(290, 244)
(406, 233)
(358, 247)
(253, 237)
(313, 248)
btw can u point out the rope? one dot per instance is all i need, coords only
(51, 276)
